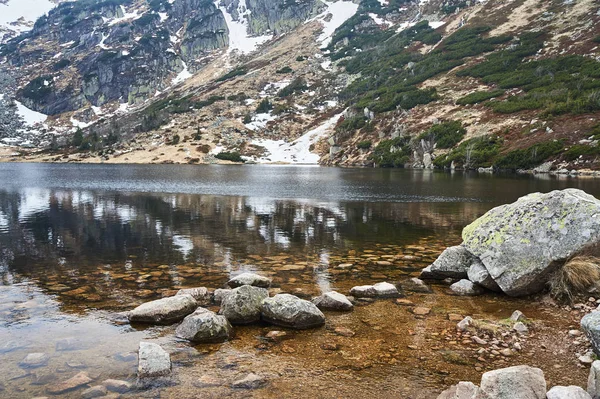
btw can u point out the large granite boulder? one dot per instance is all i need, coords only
(517, 382)
(590, 324)
(253, 279)
(478, 274)
(154, 361)
(593, 387)
(520, 243)
(164, 311)
(202, 295)
(290, 311)
(242, 305)
(462, 390)
(204, 326)
(570, 392)
(453, 263)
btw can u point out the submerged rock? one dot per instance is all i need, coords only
(454, 263)
(242, 305)
(204, 326)
(33, 360)
(333, 301)
(94, 392)
(290, 311)
(251, 381)
(164, 311)
(154, 361)
(72, 383)
(466, 287)
(249, 279)
(518, 382)
(570, 392)
(201, 294)
(416, 285)
(118, 386)
(520, 243)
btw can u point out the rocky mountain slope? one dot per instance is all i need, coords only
(450, 84)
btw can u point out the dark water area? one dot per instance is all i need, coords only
(79, 243)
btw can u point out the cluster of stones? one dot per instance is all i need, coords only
(522, 382)
(246, 301)
(515, 248)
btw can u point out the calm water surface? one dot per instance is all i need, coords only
(79, 243)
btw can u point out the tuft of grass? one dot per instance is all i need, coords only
(576, 276)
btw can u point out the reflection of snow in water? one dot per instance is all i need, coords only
(3, 221)
(184, 244)
(322, 276)
(33, 200)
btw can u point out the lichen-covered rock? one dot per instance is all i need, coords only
(242, 305)
(593, 383)
(519, 243)
(249, 279)
(454, 263)
(204, 326)
(590, 324)
(164, 311)
(153, 361)
(478, 274)
(517, 382)
(201, 294)
(333, 301)
(220, 294)
(466, 287)
(570, 392)
(290, 311)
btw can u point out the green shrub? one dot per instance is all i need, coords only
(230, 156)
(174, 140)
(297, 85)
(63, 63)
(577, 150)
(394, 153)
(301, 58)
(474, 153)
(247, 119)
(596, 39)
(445, 135)
(77, 138)
(264, 106)
(530, 157)
(239, 71)
(351, 124)
(364, 145)
(285, 69)
(479, 96)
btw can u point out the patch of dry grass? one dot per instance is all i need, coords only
(576, 276)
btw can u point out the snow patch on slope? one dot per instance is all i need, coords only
(239, 39)
(341, 11)
(297, 151)
(183, 75)
(30, 116)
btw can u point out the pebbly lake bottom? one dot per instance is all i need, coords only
(76, 249)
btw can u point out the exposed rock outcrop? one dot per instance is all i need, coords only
(164, 311)
(242, 305)
(290, 311)
(153, 361)
(204, 326)
(333, 301)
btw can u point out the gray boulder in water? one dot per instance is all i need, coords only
(164, 311)
(517, 382)
(201, 294)
(204, 326)
(453, 263)
(466, 287)
(249, 279)
(290, 311)
(153, 361)
(242, 305)
(519, 243)
(333, 301)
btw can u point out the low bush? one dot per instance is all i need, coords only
(474, 153)
(445, 135)
(285, 69)
(530, 157)
(264, 106)
(394, 153)
(230, 156)
(479, 96)
(297, 85)
(364, 145)
(232, 74)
